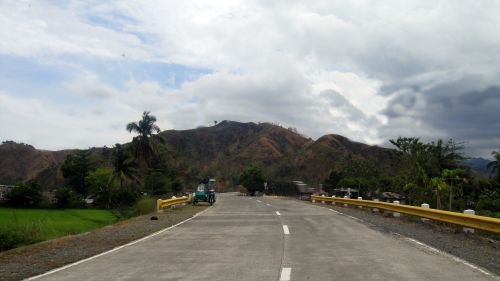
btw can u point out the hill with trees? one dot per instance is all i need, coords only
(159, 162)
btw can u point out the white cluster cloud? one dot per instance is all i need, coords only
(365, 69)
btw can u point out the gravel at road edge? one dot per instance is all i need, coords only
(36, 259)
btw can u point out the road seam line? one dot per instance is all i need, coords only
(285, 273)
(285, 229)
(114, 249)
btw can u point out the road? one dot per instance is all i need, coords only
(243, 238)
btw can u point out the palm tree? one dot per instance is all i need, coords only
(123, 166)
(145, 129)
(494, 165)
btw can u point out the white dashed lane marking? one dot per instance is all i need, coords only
(278, 213)
(286, 230)
(285, 273)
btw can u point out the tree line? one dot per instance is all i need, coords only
(115, 177)
(431, 172)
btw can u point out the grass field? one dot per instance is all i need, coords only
(25, 226)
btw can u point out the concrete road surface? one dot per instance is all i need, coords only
(243, 238)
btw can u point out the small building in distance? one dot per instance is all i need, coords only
(4, 189)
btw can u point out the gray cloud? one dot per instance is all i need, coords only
(370, 70)
(466, 110)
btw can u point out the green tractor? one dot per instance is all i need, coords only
(205, 192)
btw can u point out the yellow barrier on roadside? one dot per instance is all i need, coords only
(472, 221)
(161, 203)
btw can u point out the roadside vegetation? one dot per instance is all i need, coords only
(26, 226)
(419, 172)
(100, 188)
(431, 173)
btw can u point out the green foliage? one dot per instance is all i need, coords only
(76, 168)
(332, 181)
(25, 195)
(102, 183)
(252, 178)
(145, 205)
(10, 239)
(489, 200)
(156, 182)
(418, 161)
(161, 178)
(123, 165)
(68, 198)
(282, 188)
(24, 226)
(143, 146)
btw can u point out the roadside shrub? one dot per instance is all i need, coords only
(68, 198)
(145, 205)
(282, 188)
(25, 195)
(489, 200)
(10, 239)
(19, 234)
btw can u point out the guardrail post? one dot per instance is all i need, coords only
(425, 205)
(323, 201)
(184, 203)
(469, 212)
(345, 205)
(360, 198)
(173, 206)
(314, 201)
(158, 202)
(375, 210)
(333, 202)
(396, 214)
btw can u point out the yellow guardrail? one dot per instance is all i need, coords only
(472, 221)
(163, 203)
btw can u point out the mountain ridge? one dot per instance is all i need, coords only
(222, 151)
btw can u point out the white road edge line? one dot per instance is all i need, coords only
(430, 248)
(285, 273)
(285, 229)
(114, 249)
(278, 213)
(457, 259)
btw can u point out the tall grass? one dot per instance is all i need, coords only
(145, 205)
(25, 226)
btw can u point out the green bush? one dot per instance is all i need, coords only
(489, 200)
(26, 195)
(282, 188)
(68, 198)
(10, 239)
(145, 205)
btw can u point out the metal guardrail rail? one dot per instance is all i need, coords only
(472, 221)
(163, 203)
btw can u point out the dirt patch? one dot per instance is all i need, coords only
(35, 259)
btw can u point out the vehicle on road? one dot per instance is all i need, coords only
(205, 192)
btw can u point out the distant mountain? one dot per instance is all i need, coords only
(478, 164)
(220, 151)
(19, 162)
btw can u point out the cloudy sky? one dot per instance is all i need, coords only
(73, 73)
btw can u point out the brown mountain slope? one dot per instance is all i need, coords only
(19, 162)
(220, 151)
